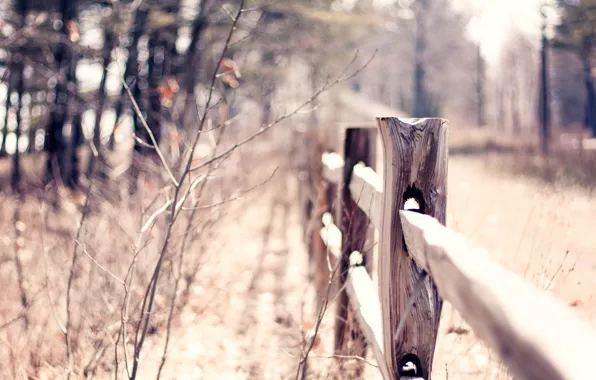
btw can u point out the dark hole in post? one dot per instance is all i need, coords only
(414, 200)
(409, 365)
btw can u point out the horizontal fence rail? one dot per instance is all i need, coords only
(422, 262)
(537, 336)
(365, 187)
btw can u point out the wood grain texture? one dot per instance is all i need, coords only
(415, 166)
(366, 185)
(354, 225)
(536, 336)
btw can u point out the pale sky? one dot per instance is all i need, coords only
(495, 18)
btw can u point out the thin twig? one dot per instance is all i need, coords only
(43, 210)
(148, 300)
(321, 314)
(71, 275)
(557, 271)
(149, 132)
(17, 255)
(235, 198)
(186, 239)
(267, 127)
(14, 319)
(104, 269)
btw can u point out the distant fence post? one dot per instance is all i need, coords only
(318, 205)
(354, 225)
(415, 168)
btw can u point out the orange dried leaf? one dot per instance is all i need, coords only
(73, 30)
(230, 80)
(308, 325)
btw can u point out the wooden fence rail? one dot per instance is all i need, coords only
(420, 262)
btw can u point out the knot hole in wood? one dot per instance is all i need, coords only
(414, 200)
(409, 366)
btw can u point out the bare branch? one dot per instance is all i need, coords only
(149, 132)
(267, 127)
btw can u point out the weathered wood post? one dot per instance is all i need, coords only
(359, 146)
(300, 157)
(319, 204)
(415, 168)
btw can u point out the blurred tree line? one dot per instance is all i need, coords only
(574, 64)
(429, 66)
(98, 71)
(78, 71)
(547, 84)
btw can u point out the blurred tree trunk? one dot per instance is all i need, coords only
(156, 66)
(33, 128)
(132, 67)
(8, 107)
(576, 33)
(76, 127)
(544, 90)
(420, 95)
(19, 71)
(514, 103)
(141, 136)
(590, 119)
(192, 62)
(169, 37)
(480, 79)
(18, 60)
(108, 45)
(77, 139)
(71, 167)
(500, 107)
(268, 60)
(55, 145)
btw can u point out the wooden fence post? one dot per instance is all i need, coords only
(415, 167)
(319, 204)
(359, 146)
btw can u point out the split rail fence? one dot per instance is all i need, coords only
(420, 262)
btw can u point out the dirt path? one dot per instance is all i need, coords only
(244, 319)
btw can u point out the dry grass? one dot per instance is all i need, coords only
(115, 254)
(566, 165)
(534, 216)
(241, 309)
(104, 279)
